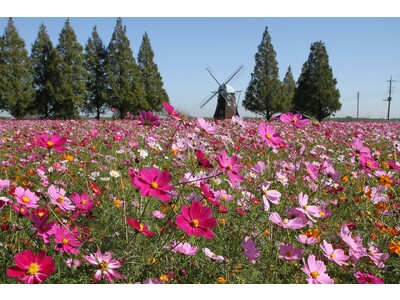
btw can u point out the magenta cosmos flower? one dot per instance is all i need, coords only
(141, 228)
(171, 110)
(152, 182)
(249, 249)
(147, 118)
(67, 240)
(230, 166)
(196, 220)
(295, 119)
(287, 252)
(106, 266)
(32, 268)
(269, 136)
(315, 271)
(54, 142)
(26, 197)
(367, 278)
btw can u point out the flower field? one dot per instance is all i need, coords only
(175, 200)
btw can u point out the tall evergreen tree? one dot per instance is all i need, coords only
(44, 60)
(289, 86)
(126, 90)
(96, 76)
(70, 89)
(264, 93)
(316, 93)
(16, 82)
(151, 78)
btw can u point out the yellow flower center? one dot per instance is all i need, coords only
(33, 269)
(141, 227)
(60, 199)
(294, 120)
(49, 143)
(83, 201)
(194, 223)
(25, 199)
(229, 168)
(65, 241)
(314, 274)
(40, 214)
(164, 277)
(332, 255)
(268, 136)
(154, 185)
(104, 265)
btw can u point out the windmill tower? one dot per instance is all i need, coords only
(228, 97)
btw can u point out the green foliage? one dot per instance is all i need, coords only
(316, 92)
(16, 89)
(126, 89)
(70, 88)
(44, 60)
(289, 86)
(151, 78)
(96, 76)
(264, 95)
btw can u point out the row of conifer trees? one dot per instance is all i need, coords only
(68, 79)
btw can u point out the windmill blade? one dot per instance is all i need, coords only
(210, 70)
(208, 99)
(234, 73)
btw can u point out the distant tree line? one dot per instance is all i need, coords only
(63, 81)
(315, 93)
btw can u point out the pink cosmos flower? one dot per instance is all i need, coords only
(184, 248)
(336, 255)
(295, 223)
(269, 136)
(82, 201)
(367, 278)
(250, 250)
(368, 163)
(230, 166)
(152, 182)
(377, 258)
(4, 184)
(157, 214)
(309, 210)
(356, 249)
(213, 256)
(315, 271)
(147, 118)
(287, 252)
(196, 220)
(31, 268)
(296, 120)
(44, 229)
(26, 197)
(54, 142)
(206, 126)
(269, 195)
(141, 228)
(359, 149)
(204, 162)
(312, 170)
(106, 266)
(57, 196)
(66, 240)
(73, 263)
(258, 168)
(304, 239)
(171, 110)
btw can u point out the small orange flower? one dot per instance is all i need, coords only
(394, 247)
(221, 280)
(385, 180)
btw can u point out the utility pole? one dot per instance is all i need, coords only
(358, 99)
(389, 99)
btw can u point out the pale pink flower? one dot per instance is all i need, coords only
(312, 170)
(269, 195)
(157, 214)
(57, 197)
(106, 266)
(295, 223)
(183, 248)
(213, 256)
(4, 184)
(304, 239)
(295, 119)
(309, 210)
(336, 255)
(315, 271)
(206, 126)
(377, 257)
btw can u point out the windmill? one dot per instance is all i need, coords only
(228, 97)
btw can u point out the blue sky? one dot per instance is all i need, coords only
(364, 52)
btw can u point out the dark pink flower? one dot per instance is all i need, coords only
(171, 110)
(54, 142)
(230, 166)
(367, 278)
(32, 268)
(67, 240)
(152, 182)
(141, 228)
(196, 220)
(82, 201)
(147, 118)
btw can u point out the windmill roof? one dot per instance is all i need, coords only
(229, 88)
